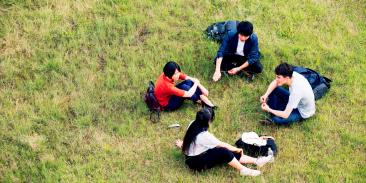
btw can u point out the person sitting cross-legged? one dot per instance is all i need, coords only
(288, 106)
(171, 97)
(238, 53)
(203, 150)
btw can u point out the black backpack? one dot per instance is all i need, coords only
(152, 103)
(320, 84)
(255, 150)
(217, 31)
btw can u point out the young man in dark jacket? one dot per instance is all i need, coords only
(239, 52)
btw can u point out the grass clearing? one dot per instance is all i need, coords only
(72, 75)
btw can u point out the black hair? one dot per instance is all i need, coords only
(284, 69)
(245, 28)
(169, 69)
(203, 117)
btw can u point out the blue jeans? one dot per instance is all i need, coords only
(278, 100)
(175, 102)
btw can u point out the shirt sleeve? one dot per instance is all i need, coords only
(293, 100)
(182, 76)
(223, 47)
(210, 141)
(253, 55)
(176, 91)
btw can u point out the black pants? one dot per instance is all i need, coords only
(231, 61)
(211, 158)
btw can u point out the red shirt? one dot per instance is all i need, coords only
(165, 88)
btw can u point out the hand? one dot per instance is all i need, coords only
(263, 99)
(216, 76)
(265, 107)
(233, 71)
(179, 143)
(239, 150)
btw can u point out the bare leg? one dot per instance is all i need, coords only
(247, 159)
(236, 164)
(203, 90)
(243, 170)
(206, 100)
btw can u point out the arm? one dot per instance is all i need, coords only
(270, 88)
(230, 147)
(253, 56)
(219, 56)
(283, 114)
(237, 69)
(190, 92)
(217, 74)
(200, 86)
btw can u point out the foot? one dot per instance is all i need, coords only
(249, 172)
(204, 105)
(263, 160)
(249, 76)
(266, 122)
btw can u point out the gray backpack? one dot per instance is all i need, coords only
(217, 31)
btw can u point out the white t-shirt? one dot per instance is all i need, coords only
(240, 48)
(204, 141)
(301, 96)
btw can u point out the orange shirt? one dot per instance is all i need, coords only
(165, 88)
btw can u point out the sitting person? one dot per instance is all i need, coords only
(288, 106)
(171, 97)
(204, 151)
(239, 52)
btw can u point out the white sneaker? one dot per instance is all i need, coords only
(249, 172)
(263, 160)
(270, 153)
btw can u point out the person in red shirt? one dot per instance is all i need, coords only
(171, 97)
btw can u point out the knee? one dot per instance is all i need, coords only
(188, 82)
(280, 121)
(226, 155)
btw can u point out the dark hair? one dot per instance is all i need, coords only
(284, 69)
(203, 117)
(245, 28)
(169, 69)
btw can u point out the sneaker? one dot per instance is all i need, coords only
(263, 160)
(270, 153)
(250, 77)
(266, 122)
(249, 172)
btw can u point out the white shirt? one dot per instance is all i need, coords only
(240, 48)
(301, 96)
(204, 141)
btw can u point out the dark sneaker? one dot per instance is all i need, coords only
(250, 77)
(266, 122)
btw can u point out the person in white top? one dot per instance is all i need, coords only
(288, 106)
(204, 151)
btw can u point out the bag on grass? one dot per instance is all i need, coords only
(217, 31)
(255, 146)
(152, 103)
(320, 84)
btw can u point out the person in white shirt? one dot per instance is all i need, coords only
(204, 151)
(288, 106)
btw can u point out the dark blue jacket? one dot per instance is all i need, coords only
(230, 43)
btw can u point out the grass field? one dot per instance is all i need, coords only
(72, 75)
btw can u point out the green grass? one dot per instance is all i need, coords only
(72, 76)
